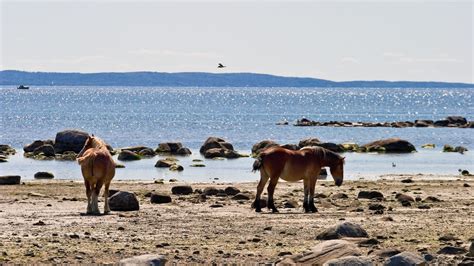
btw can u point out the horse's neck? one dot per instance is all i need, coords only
(326, 160)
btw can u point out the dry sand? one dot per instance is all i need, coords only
(190, 231)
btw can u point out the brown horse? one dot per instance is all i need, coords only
(98, 168)
(292, 166)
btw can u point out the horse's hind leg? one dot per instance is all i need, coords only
(271, 191)
(312, 186)
(260, 187)
(106, 198)
(88, 194)
(95, 193)
(306, 183)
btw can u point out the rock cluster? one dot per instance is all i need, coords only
(217, 147)
(450, 121)
(174, 148)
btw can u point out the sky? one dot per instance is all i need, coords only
(336, 40)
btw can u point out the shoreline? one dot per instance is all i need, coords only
(218, 229)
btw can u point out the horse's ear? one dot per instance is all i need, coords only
(92, 135)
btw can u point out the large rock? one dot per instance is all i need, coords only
(451, 250)
(394, 145)
(10, 180)
(160, 198)
(169, 147)
(350, 261)
(7, 149)
(405, 259)
(257, 148)
(124, 201)
(44, 175)
(221, 152)
(46, 150)
(37, 143)
(215, 142)
(183, 151)
(182, 190)
(456, 120)
(309, 142)
(126, 155)
(165, 163)
(346, 229)
(70, 140)
(144, 260)
(370, 195)
(323, 252)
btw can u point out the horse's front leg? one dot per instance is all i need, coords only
(95, 197)
(271, 191)
(260, 187)
(306, 194)
(88, 194)
(312, 186)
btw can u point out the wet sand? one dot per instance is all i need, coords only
(189, 230)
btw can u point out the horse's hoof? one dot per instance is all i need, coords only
(258, 210)
(315, 210)
(275, 210)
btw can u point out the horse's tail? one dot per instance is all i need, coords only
(258, 163)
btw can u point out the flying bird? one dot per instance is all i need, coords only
(220, 65)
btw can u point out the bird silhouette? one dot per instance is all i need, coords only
(220, 65)
(394, 165)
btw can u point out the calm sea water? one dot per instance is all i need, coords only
(125, 116)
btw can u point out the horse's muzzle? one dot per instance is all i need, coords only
(338, 182)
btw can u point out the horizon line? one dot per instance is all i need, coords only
(233, 73)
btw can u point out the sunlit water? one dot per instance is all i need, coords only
(147, 116)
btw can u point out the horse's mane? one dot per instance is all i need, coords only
(99, 143)
(324, 154)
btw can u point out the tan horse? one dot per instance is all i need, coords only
(292, 166)
(98, 168)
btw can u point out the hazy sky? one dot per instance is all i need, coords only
(415, 40)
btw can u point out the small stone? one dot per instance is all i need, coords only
(44, 175)
(74, 236)
(424, 207)
(376, 206)
(159, 198)
(39, 223)
(176, 167)
(121, 228)
(231, 191)
(408, 180)
(370, 195)
(210, 191)
(466, 185)
(448, 237)
(241, 196)
(432, 199)
(216, 206)
(284, 253)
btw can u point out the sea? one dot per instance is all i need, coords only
(129, 116)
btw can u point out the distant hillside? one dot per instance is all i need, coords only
(197, 79)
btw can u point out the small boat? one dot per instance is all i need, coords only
(21, 87)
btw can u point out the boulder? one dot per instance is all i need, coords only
(231, 191)
(456, 120)
(7, 149)
(215, 142)
(165, 163)
(309, 142)
(159, 198)
(147, 152)
(70, 140)
(423, 123)
(404, 259)
(169, 147)
(451, 250)
(394, 145)
(124, 201)
(135, 149)
(44, 175)
(181, 190)
(323, 252)
(37, 143)
(46, 150)
(404, 197)
(262, 145)
(183, 151)
(176, 167)
(350, 261)
(144, 260)
(441, 123)
(210, 191)
(221, 152)
(346, 229)
(126, 155)
(10, 180)
(370, 195)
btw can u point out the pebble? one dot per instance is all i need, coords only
(284, 253)
(39, 223)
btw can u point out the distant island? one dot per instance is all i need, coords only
(199, 79)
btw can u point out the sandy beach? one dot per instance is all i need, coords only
(41, 221)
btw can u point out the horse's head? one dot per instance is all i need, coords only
(337, 171)
(87, 145)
